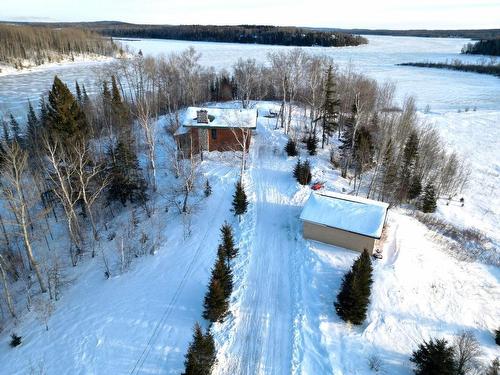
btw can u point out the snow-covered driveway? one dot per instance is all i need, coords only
(262, 333)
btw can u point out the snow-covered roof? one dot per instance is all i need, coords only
(221, 118)
(354, 214)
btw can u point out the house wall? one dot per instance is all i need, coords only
(338, 237)
(226, 140)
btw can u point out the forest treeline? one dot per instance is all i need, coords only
(276, 35)
(458, 33)
(30, 45)
(492, 68)
(489, 47)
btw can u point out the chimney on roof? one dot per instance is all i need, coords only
(202, 116)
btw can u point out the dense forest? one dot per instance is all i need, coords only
(472, 34)
(277, 35)
(492, 68)
(489, 47)
(288, 36)
(30, 45)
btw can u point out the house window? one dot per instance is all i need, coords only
(214, 133)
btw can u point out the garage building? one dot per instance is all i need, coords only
(344, 220)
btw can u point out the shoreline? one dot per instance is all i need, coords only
(8, 70)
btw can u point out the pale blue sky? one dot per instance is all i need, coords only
(395, 14)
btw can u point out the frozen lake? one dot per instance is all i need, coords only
(442, 90)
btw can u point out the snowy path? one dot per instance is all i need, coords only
(261, 339)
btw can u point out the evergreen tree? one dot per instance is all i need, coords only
(354, 296)
(291, 148)
(429, 200)
(415, 187)
(347, 140)
(389, 173)
(208, 189)
(216, 304)
(14, 126)
(435, 357)
(32, 123)
(127, 183)
(312, 143)
(78, 92)
(228, 241)
(331, 108)
(65, 119)
(302, 172)
(240, 203)
(497, 336)
(410, 156)
(220, 288)
(201, 354)
(15, 340)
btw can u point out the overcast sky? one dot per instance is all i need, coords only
(389, 14)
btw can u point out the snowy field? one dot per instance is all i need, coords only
(281, 314)
(282, 318)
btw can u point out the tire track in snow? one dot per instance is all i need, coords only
(262, 336)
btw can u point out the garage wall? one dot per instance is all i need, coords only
(337, 237)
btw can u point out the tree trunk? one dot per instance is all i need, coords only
(8, 296)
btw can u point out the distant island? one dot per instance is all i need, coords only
(25, 46)
(492, 68)
(247, 34)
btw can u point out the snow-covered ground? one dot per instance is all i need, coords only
(281, 317)
(7, 70)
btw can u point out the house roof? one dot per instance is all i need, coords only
(346, 212)
(221, 118)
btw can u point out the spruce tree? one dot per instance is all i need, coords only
(354, 296)
(79, 97)
(201, 354)
(302, 172)
(228, 241)
(291, 148)
(240, 203)
(429, 200)
(410, 156)
(65, 118)
(434, 357)
(497, 336)
(219, 289)
(127, 183)
(331, 107)
(14, 126)
(415, 187)
(215, 304)
(32, 122)
(389, 173)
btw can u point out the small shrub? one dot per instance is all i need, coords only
(15, 340)
(291, 148)
(375, 363)
(493, 368)
(208, 189)
(497, 336)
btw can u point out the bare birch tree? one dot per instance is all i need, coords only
(14, 181)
